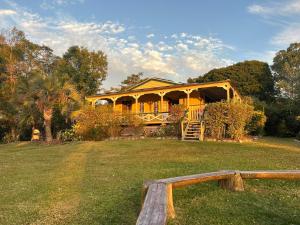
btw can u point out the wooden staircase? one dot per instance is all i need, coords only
(192, 125)
(194, 131)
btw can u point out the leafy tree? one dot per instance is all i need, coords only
(86, 69)
(286, 67)
(46, 89)
(48, 92)
(282, 114)
(132, 80)
(12, 63)
(252, 78)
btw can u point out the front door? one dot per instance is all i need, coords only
(172, 102)
(126, 106)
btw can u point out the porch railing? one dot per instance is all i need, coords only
(195, 112)
(159, 117)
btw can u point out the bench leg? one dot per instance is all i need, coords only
(234, 183)
(170, 205)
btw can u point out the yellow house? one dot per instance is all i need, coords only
(152, 99)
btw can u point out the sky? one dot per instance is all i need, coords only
(171, 39)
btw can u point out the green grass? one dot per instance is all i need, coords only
(100, 182)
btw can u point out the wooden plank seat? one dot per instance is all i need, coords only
(158, 203)
(154, 209)
(197, 178)
(273, 174)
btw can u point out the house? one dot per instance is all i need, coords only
(152, 99)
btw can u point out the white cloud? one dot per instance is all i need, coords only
(284, 8)
(182, 46)
(175, 36)
(288, 35)
(7, 12)
(258, 9)
(177, 57)
(286, 14)
(52, 4)
(150, 35)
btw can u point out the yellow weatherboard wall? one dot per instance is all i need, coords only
(152, 84)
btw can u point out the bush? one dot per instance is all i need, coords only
(215, 119)
(168, 130)
(282, 118)
(98, 123)
(257, 123)
(102, 122)
(68, 135)
(229, 119)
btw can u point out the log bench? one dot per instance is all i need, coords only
(158, 205)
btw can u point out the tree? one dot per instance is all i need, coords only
(87, 70)
(131, 80)
(286, 67)
(46, 89)
(12, 59)
(252, 78)
(48, 92)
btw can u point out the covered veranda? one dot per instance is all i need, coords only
(153, 106)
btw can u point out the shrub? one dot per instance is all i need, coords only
(176, 114)
(228, 119)
(68, 135)
(239, 114)
(168, 130)
(98, 123)
(102, 122)
(282, 118)
(215, 119)
(257, 123)
(298, 136)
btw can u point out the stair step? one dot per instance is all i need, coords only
(191, 138)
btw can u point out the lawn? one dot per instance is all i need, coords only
(100, 182)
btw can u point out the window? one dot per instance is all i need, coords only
(142, 107)
(126, 106)
(155, 107)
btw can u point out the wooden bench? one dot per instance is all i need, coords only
(158, 195)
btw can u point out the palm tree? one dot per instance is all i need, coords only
(46, 92)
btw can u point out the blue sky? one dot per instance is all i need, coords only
(168, 38)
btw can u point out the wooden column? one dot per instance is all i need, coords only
(228, 94)
(188, 92)
(162, 94)
(94, 104)
(136, 97)
(114, 104)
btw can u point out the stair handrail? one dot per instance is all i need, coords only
(184, 120)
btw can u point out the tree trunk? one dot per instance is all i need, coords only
(14, 134)
(47, 121)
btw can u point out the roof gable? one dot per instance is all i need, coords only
(152, 83)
